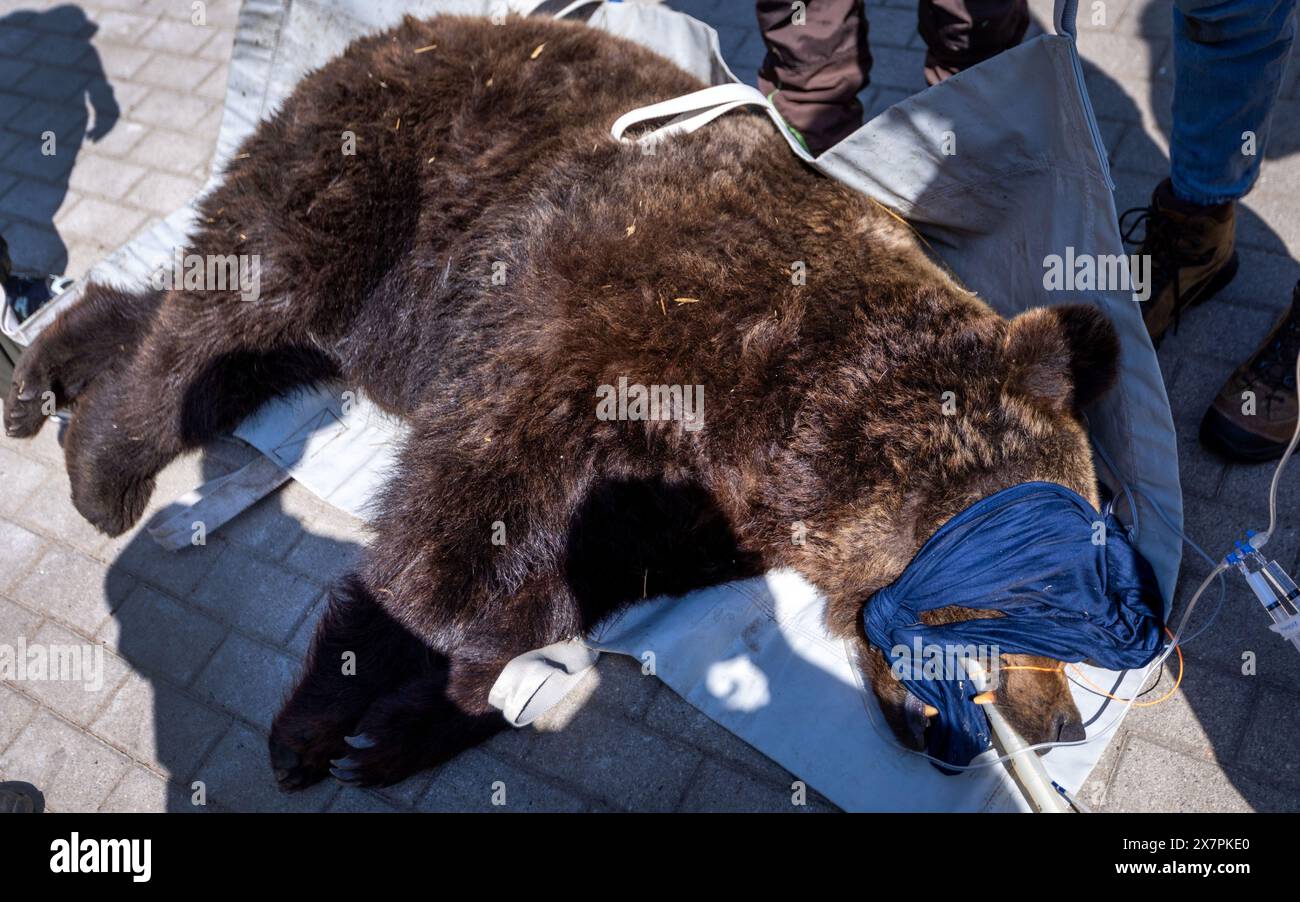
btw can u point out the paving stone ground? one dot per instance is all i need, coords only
(200, 646)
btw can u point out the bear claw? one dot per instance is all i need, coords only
(344, 776)
(22, 418)
(291, 772)
(346, 770)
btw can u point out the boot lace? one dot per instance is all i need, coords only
(1169, 248)
(1274, 368)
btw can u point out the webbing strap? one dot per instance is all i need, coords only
(696, 109)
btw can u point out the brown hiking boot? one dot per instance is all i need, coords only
(1258, 426)
(1192, 253)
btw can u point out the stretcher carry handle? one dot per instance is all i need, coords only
(691, 111)
(1064, 17)
(557, 9)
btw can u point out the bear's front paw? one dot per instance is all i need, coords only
(110, 468)
(111, 502)
(298, 761)
(409, 730)
(370, 763)
(29, 401)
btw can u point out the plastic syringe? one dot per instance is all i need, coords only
(1273, 586)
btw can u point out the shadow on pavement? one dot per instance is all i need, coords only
(46, 134)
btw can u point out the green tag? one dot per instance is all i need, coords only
(794, 131)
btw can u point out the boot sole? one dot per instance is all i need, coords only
(1226, 438)
(1220, 281)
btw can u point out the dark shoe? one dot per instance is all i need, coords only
(1256, 432)
(17, 797)
(24, 295)
(20, 297)
(1192, 251)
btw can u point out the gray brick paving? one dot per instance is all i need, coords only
(199, 646)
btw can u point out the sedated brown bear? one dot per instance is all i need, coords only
(487, 264)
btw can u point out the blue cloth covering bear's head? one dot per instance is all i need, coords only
(1067, 579)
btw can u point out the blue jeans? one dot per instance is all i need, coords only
(1229, 58)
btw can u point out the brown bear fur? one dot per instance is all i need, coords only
(823, 401)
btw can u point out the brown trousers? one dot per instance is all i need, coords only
(820, 64)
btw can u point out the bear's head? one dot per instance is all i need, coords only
(992, 403)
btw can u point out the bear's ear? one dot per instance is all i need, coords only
(1061, 357)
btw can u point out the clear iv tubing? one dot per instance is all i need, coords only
(1258, 541)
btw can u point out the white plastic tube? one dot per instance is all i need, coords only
(1026, 767)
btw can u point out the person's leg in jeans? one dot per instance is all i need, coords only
(817, 61)
(960, 33)
(1229, 59)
